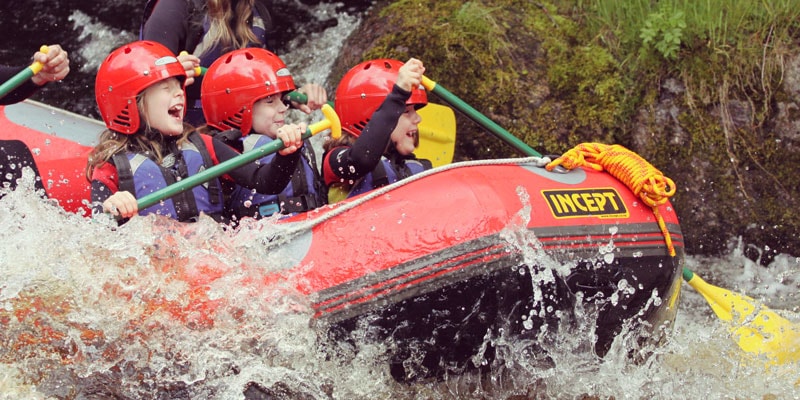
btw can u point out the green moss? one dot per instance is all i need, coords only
(557, 73)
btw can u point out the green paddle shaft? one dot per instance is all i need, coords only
(479, 118)
(22, 76)
(211, 173)
(296, 97)
(331, 122)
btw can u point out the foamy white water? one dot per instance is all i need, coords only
(91, 308)
(88, 308)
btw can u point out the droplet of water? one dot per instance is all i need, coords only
(528, 325)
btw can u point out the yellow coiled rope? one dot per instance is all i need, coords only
(644, 180)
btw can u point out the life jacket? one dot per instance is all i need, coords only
(385, 173)
(141, 176)
(305, 192)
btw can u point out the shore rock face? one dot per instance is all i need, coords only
(733, 157)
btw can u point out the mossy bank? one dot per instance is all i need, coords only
(709, 95)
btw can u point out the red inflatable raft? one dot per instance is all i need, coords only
(445, 261)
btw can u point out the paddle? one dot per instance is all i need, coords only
(479, 118)
(437, 134)
(437, 131)
(762, 333)
(22, 76)
(198, 70)
(331, 122)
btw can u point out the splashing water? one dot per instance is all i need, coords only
(88, 309)
(91, 309)
(151, 306)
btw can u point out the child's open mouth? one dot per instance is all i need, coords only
(414, 135)
(176, 111)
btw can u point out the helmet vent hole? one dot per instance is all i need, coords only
(123, 118)
(360, 125)
(234, 121)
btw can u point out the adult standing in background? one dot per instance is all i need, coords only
(205, 30)
(14, 154)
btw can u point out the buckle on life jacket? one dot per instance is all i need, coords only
(289, 205)
(267, 209)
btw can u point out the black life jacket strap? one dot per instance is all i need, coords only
(185, 203)
(231, 138)
(125, 184)
(302, 199)
(319, 183)
(214, 189)
(124, 173)
(379, 177)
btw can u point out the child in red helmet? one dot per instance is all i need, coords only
(244, 101)
(377, 103)
(139, 91)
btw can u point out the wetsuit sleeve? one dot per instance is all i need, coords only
(168, 25)
(22, 92)
(268, 178)
(350, 163)
(104, 184)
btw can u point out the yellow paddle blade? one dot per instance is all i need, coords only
(437, 134)
(756, 329)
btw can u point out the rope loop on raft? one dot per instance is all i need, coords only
(641, 177)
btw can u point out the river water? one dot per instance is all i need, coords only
(77, 295)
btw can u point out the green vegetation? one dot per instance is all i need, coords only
(692, 86)
(742, 44)
(730, 58)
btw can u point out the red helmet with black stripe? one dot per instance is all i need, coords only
(363, 89)
(238, 79)
(125, 73)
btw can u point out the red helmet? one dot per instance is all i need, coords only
(124, 74)
(235, 81)
(363, 89)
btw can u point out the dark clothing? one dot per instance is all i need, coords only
(180, 26)
(349, 163)
(169, 24)
(388, 171)
(305, 192)
(22, 92)
(14, 156)
(269, 178)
